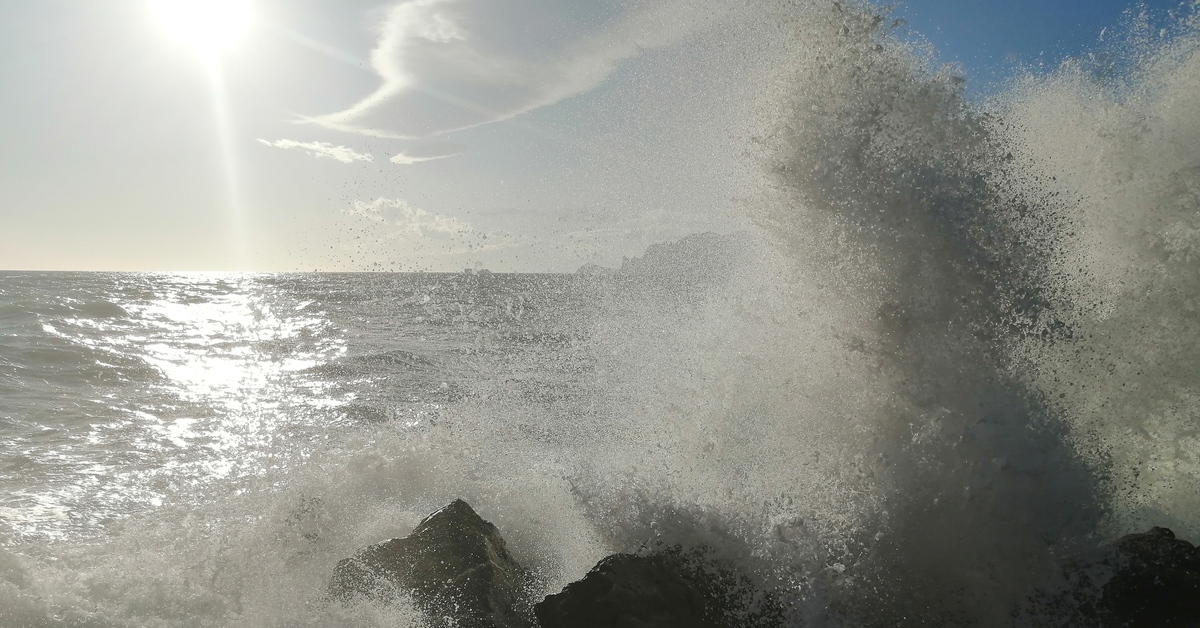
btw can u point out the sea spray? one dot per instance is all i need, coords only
(1120, 151)
(961, 345)
(958, 228)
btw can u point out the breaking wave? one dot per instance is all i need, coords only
(961, 343)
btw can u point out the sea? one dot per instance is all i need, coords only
(957, 345)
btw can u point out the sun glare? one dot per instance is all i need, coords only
(209, 27)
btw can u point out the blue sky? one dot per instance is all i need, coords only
(523, 135)
(991, 38)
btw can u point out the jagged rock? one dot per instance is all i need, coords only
(664, 590)
(1156, 582)
(455, 567)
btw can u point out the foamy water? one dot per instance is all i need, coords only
(961, 344)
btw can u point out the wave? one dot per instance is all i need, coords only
(1001, 259)
(961, 344)
(966, 350)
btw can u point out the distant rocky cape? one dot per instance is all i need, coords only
(456, 569)
(696, 258)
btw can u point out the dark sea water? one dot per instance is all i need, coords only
(960, 343)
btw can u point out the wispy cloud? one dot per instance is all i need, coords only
(343, 154)
(399, 213)
(452, 64)
(421, 232)
(428, 152)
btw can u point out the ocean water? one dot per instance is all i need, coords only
(188, 407)
(960, 343)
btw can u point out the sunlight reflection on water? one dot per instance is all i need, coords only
(123, 395)
(206, 370)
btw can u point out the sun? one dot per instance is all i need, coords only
(208, 27)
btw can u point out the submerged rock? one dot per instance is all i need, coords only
(455, 567)
(1156, 582)
(664, 590)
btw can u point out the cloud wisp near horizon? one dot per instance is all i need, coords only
(321, 150)
(416, 229)
(448, 65)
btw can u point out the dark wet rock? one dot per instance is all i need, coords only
(455, 567)
(1156, 582)
(669, 589)
(1145, 580)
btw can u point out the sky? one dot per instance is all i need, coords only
(513, 135)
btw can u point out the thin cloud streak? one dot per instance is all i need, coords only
(428, 152)
(406, 160)
(321, 150)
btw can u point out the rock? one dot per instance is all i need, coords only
(1156, 582)
(1150, 580)
(663, 590)
(455, 567)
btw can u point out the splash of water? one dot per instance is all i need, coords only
(962, 346)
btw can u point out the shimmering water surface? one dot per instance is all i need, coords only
(957, 343)
(121, 391)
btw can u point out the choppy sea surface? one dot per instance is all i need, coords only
(126, 396)
(123, 391)
(958, 344)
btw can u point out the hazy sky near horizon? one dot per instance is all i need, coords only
(517, 135)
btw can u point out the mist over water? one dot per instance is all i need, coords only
(960, 344)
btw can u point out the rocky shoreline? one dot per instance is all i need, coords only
(455, 567)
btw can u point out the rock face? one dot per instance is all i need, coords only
(664, 590)
(1156, 582)
(455, 567)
